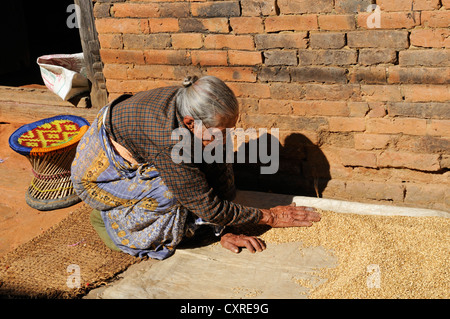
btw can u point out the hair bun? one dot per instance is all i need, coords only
(189, 80)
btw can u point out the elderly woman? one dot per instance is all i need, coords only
(144, 203)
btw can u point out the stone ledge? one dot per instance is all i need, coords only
(27, 104)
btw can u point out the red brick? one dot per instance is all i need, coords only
(358, 109)
(292, 40)
(377, 56)
(213, 25)
(102, 10)
(346, 124)
(216, 25)
(287, 91)
(111, 25)
(116, 71)
(419, 75)
(351, 157)
(152, 71)
(422, 5)
(233, 73)
(135, 10)
(221, 41)
(304, 22)
(305, 6)
(135, 86)
(269, 106)
(377, 93)
(255, 121)
(376, 109)
(248, 105)
(164, 25)
(242, 25)
(299, 123)
(408, 5)
(427, 110)
(431, 38)
(369, 190)
(402, 175)
(250, 90)
(336, 188)
(174, 10)
(439, 128)
(327, 57)
(368, 75)
(371, 141)
(285, 136)
(333, 92)
(319, 74)
(445, 162)
(324, 108)
(122, 56)
(256, 8)
(423, 162)
(335, 22)
(392, 20)
(378, 39)
(408, 126)
(216, 9)
(120, 86)
(112, 96)
(170, 57)
(426, 93)
(351, 6)
(398, 5)
(280, 57)
(436, 19)
(423, 144)
(146, 41)
(145, 26)
(114, 87)
(327, 40)
(424, 194)
(244, 57)
(181, 71)
(209, 58)
(424, 58)
(110, 41)
(141, 0)
(187, 40)
(274, 74)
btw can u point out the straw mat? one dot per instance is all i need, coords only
(66, 261)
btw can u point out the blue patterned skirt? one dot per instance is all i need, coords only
(141, 215)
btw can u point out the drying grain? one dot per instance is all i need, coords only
(246, 292)
(378, 256)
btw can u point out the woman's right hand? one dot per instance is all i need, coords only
(289, 216)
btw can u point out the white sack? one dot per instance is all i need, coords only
(64, 74)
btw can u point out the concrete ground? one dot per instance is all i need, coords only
(211, 272)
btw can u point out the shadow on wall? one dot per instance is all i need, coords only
(303, 168)
(303, 171)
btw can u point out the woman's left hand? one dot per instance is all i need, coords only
(235, 242)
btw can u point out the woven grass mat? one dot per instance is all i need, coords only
(66, 261)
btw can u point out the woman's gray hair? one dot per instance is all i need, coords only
(207, 99)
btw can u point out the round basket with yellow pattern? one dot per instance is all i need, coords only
(50, 145)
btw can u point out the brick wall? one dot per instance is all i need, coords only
(363, 113)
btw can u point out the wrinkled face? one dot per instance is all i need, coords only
(209, 134)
